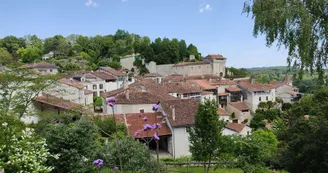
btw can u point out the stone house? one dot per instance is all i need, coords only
(241, 111)
(155, 77)
(71, 90)
(237, 129)
(285, 90)
(254, 93)
(183, 90)
(97, 82)
(41, 67)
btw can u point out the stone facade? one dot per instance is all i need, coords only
(211, 64)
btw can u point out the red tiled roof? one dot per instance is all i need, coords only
(190, 63)
(215, 56)
(152, 75)
(86, 92)
(204, 84)
(233, 89)
(39, 65)
(74, 83)
(57, 102)
(112, 71)
(136, 123)
(222, 112)
(182, 88)
(224, 82)
(144, 91)
(181, 78)
(235, 127)
(103, 75)
(239, 105)
(207, 93)
(185, 111)
(255, 86)
(222, 94)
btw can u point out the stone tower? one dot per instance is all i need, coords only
(218, 63)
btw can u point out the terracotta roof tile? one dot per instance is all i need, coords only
(103, 75)
(255, 86)
(224, 82)
(39, 65)
(181, 78)
(112, 71)
(60, 103)
(152, 75)
(182, 88)
(145, 91)
(235, 127)
(204, 84)
(136, 123)
(222, 94)
(222, 112)
(233, 89)
(73, 83)
(185, 111)
(239, 105)
(215, 56)
(86, 92)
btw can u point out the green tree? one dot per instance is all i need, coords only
(262, 105)
(5, 57)
(34, 41)
(206, 135)
(76, 144)
(20, 149)
(135, 155)
(107, 126)
(254, 152)
(300, 26)
(182, 49)
(71, 67)
(12, 44)
(192, 50)
(29, 54)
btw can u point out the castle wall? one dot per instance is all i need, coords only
(192, 69)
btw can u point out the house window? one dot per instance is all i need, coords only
(247, 133)
(94, 87)
(235, 121)
(50, 70)
(267, 98)
(142, 111)
(259, 98)
(101, 86)
(95, 94)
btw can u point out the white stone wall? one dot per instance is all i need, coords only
(127, 62)
(47, 70)
(227, 131)
(239, 114)
(221, 88)
(192, 69)
(224, 118)
(208, 97)
(218, 67)
(282, 93)
(246, 131)
(181, 142)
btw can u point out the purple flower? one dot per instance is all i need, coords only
(155, 107)
(115, 168)
(137, 133)
(157, 126)
(156, 137)
(98, 163)
(112, 99)
(145, 118)
(147, 127)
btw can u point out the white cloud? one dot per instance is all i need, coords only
(91, 3)
(207, 7)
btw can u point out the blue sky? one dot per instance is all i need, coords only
(214, 26)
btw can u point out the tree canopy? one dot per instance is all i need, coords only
(299, 25)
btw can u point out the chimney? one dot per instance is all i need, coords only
(173, 112)
(127, 95)
(241, 98)
(125, 85)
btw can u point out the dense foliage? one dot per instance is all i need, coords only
(96, 51)
(299, 25)
(206, 134)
